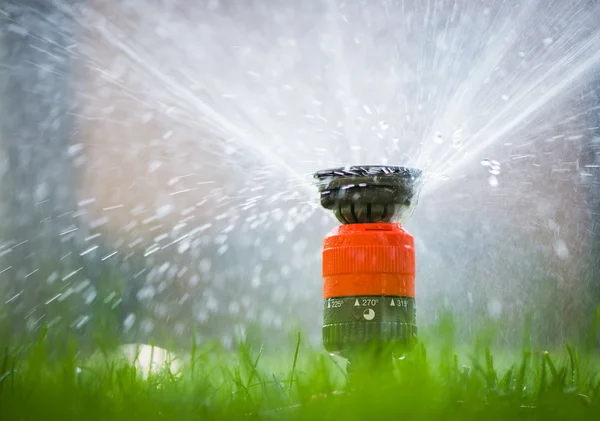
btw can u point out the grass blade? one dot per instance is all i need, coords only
(294, 363)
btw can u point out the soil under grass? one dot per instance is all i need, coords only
(303, 384)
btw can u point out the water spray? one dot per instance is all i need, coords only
(369, 266)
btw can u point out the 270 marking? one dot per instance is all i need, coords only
(369, 302)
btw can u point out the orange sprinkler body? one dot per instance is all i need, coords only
(368, 260)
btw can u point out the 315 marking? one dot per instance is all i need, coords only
(402, 303)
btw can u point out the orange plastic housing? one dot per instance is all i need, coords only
(368, 259)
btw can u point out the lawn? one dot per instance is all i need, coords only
(433, 381)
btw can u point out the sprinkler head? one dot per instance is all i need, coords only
(369, 264)
(369, 194)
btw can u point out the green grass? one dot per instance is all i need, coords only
(432, 382)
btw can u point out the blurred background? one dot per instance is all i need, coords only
(155, 161)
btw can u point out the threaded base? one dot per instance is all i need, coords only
(367, 371)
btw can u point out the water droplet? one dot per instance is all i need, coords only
(194, 280)
(367, 109)
(561, 249)
(147, 325)
(548, 41)
(81, 322)
(75, 149)
(445, 177)
(485, 162)
(457, 138)
(212, 304)
(493, 180)
(52, 278)
(164, 210)
(183, 246)
(146, 293)
(129, 321)
(153, 166)
(438, 138)
(494, 308)
(495, 168)
(90, 295)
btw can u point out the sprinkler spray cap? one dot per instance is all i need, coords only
(369, 194)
